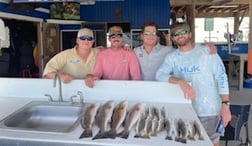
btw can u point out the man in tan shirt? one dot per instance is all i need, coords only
(74, 63)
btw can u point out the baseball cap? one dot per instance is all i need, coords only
(85, 32)
(115, 30)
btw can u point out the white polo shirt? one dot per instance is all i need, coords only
(149, 63)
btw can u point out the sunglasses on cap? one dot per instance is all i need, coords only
(181, 32)
(117, 35)
(87, 38)
(150, 33)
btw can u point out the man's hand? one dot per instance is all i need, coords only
(213, 49)
(225, 114)
(100, 48)
(187, 89)
(65, 78)
(89, 80)
(127, 48)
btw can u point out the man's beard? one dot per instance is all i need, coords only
(183, 43)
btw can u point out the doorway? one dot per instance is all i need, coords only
(23, 39)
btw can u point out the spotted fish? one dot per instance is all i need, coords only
(103, 118)
(118, 117)
(88, 120)
(131, 119)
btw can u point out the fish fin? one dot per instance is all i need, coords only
(86, 133)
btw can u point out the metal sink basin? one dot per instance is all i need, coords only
(45, 116)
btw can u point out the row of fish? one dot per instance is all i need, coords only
(147, 122)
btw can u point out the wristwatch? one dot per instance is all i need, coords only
(226, 102)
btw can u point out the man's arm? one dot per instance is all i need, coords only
(185, 87)
(135, 72)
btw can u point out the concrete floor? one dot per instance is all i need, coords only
(243, 96)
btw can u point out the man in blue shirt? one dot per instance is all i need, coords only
(151, 53)
(208, 88)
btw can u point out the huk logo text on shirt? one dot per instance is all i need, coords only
(191, 69)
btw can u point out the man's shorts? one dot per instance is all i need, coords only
(210, 123)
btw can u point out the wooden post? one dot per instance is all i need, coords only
(190, 12)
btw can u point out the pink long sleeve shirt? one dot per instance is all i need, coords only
(117, 65)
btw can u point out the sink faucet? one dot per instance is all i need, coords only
(81, 97)
(75, 96)
(57, 76)
(49, 97)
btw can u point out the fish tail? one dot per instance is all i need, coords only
(201, 137)
(191, 137)
(146, 136)
(179, 139)
(137, 136)
(154, 134)
(99, 135)
(110, 134)
(168, 137)
(125, 135)
(86, 133)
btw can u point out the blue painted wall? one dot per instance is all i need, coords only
(134, 11)
(4, 8)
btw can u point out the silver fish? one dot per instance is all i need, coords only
(161, 120)
(140, 125)
(147, 128)
(182, 131)
(198, 130)
(131, 119)
(152, 112)
(88, 120)
(191, 130)
(169, 128)
(154, 126)
(103, 117)
(118, 117)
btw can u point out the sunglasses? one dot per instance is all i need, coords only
(116, 35)
(150, 33)
(87, 38)
(181, 32)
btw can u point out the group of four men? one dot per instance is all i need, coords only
(190, 63)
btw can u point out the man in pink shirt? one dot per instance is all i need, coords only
(115, 63)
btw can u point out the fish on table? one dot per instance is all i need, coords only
(88, 119)
(131, 119)
(103, 118)
(118, 118)
(170, 128)
(158, 119)
(147, 128)
(198, 130)
(191, 130)
(182, 131)
(140, 125)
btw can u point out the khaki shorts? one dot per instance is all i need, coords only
(210, 123)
